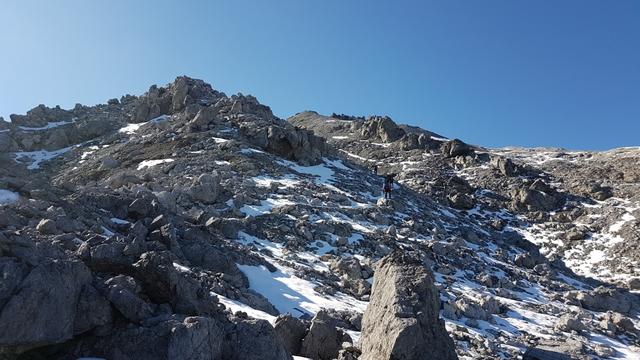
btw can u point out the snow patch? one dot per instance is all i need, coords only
(265, 207)
(291, 294)
(288, 181)
(119, 221)
(152, 163)
(616, 227)
(235, 306)
(249, 151)
(50, 125)
(323, 173)
(132, 128)
(8, 197)
(182, 268)
(39, 156)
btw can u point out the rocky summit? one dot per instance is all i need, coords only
(188, 224)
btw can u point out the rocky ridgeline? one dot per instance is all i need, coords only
(188, 224)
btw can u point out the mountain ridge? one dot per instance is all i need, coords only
(196, 220)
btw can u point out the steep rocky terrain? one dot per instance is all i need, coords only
(188, 224)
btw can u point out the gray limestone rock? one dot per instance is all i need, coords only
(291, 331)
(402, 320)
(44, 306)
(323, 339)
(455, 148)
(255, 340)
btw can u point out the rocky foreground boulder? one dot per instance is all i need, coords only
(401, 321)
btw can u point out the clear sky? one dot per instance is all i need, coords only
(495, 73)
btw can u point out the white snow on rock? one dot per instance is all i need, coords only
(85, 154)
(152, 163)
(8, 197)
(249, 151)
(219, 140)
(618, 225)
(160, 118)
(132, 128)
(288, 181)
(323, 173)
(235, 306)
(37, 157)
(107, 232)
(291, 294)
(310, 259)
(50, 125)
(119, 221)
(182, 268)
(265, 207)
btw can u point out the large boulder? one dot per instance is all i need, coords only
(461, 201)
(418, 140)
(553, 350)
(291, 331)
(605, 299)
(40, 116)
(594, 190)
(254, 340)
(285, 140)
(323, 340)
(196, 338)
(401, 321)
(504, 165)
(192, 338)
(381, 128)
(164, 283)
(203, 118)
(47, 227)
(538, 196)
(205, 188)
(93, 310)
(122, 293)
(456, 147)
(43, 307)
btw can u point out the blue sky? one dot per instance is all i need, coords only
(496, 73)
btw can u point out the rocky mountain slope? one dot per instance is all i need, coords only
(187, 224)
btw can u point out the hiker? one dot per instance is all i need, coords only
(375, 169)
(388, 184)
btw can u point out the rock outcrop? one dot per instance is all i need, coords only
(381, 128)
(323, 340)
(402, 320)
(291, 143)
(456, 147)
